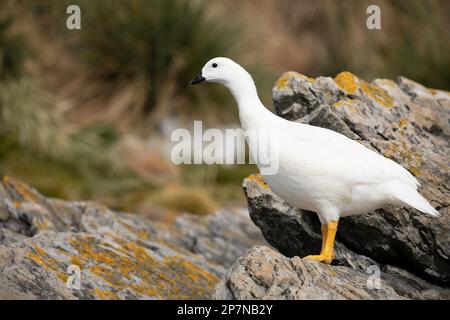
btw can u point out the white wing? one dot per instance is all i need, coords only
(362, 165)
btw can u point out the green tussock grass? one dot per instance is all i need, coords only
(13, 45)
(162, 44)
(40, 147)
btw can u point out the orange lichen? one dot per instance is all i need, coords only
(347, 82)
(284, 79)
(21, 192)
(77, 261)
(43, 259)
(106, 294)
(401, 149)
(126, 265)
(332, 272)
(415, 171)
(42, 223)
(141, 234)
(351, 84)
(258, 179)
(378, 94)
(349, 103)
(403, 123)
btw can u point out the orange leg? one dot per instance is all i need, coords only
(328, 235)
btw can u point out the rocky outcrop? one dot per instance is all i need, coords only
(401, 120)
(266, 274)
(220, 238)
(46, 245)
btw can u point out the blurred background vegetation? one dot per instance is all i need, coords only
(87, 114)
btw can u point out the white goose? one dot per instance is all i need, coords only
(319, 170)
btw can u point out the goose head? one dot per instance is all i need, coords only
(228, 73)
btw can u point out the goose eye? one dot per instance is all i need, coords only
(214, 65)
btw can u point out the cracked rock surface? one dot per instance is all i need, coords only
(264, 273)
(119, 255)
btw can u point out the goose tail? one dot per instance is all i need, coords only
(407, 195)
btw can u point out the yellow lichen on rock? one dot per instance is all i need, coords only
(400, 149)
(42, 223)
(141, 234)
(351, 84)
(106, 294)
(378, 94)
(403, 123)
(44, 260)
(349, 103)
(258, 179)
(415, 171)
(127, 265)
(284, 79)
(347, 81)
(74, 260)
(21, 192)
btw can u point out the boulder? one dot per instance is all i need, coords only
(47, 245)
(264, 273)
(402, 120)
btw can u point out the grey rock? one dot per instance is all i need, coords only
(407, 249)
(119, 255)
(264, 273)
(404, 121)
(221, 238)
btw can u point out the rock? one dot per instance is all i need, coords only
(403, 121)
(266, 274)
(119, 255)
(221, 238)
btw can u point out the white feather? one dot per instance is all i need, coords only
(319, 170)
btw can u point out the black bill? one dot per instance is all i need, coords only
(199, 78)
